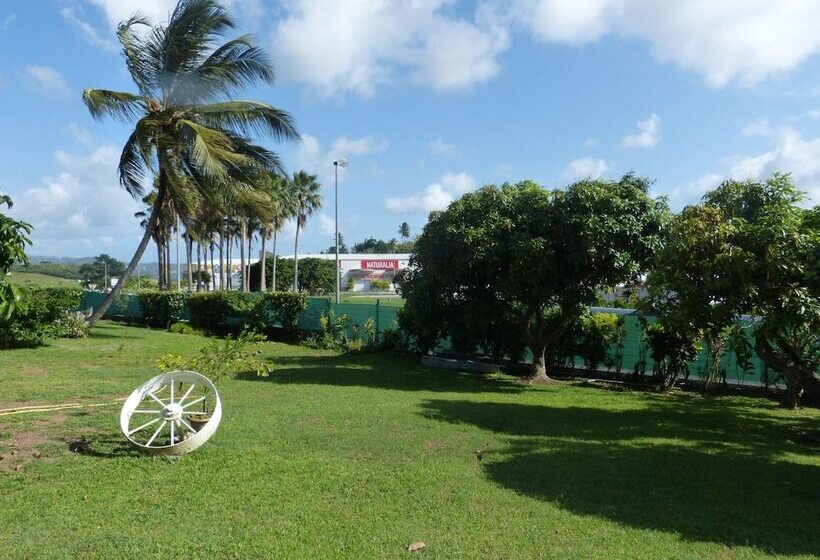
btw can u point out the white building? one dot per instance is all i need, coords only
(358, 270)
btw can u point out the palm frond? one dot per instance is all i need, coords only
(136, 157)
(121, 106)
(247, 118)
(140, 65)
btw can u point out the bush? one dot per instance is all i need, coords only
(316, 276)
(73, 325)
(598, 332)
(222, 358)
(280, 307)
(42, 315)
(379, 284)
(221, 312)
(184, 327)
(160, 309)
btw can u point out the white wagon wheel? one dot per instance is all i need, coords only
(171, 414)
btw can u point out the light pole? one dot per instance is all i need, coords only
(336, 164)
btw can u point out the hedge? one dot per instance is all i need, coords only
(221, 312)
(160, 309)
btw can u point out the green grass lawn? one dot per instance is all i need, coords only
(357, 456)
(37, 279)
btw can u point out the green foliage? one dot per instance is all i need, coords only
(280, 307)
(160, 309)
(379, 284)
(748, 248)
(222, 358)
(338, 333)
(221, 312)
(13, 240)
(95, 272)
(138, 283)
(316, 276)
(58, 270)
(72, 325)
(598, 332)
(372, 245)
(42, 314)
(514, 266)
(184, 327)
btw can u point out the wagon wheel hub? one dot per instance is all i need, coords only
(172, 412)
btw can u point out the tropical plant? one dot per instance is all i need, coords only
(516, 265)
(404, 231)
(306, 201)
(189, 129)
(13, 240)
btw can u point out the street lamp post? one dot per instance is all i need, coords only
(336, 164)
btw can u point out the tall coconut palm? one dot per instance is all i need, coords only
(189, 130)
(306, 201)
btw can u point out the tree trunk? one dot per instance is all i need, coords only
(243, 258)
(212, 247)
(798, 376)
(248, 269)
(539, 363)
(222, 257)
(296, 260)
(167, 249)
(229, 279)
(198, 266)
(273, 279)
(263, 273)
(189, 250)
(146, 238)
(160, 277)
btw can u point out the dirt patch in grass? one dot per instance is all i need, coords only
(34, 371)
(435, 444)
(20, 449)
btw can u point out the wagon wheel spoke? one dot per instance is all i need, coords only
(188, 392)
(135, 430)
(153, 437)
(172, 427)
(187, 425)
(193, 402)
(153, 396)
(172, 402)
(138, 411)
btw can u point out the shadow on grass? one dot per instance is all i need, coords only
(717, 477)
(380, 371)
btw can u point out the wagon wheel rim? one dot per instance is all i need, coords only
(160, 416)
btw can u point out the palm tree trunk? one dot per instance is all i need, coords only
(296, 260)
(189, 249)
(273, 280)
(160, 277)
(248, 269)
(198, 266)
(222, 257)
(230, 261)
(262, 271)
(243, 235)
(213, 249)
(129, 270)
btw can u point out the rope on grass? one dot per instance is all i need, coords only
(53, 408)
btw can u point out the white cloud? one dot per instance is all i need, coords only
(327, 226)
(47, 79)
(312, 158)
(339, 46)
(790, 153)
(437, 196)
(439, 147)
(7, 21)
(647, 135)
(82, 209)
(80, 134)
(72, 15)
(586, 168)
(758, 127)
(117, 11)
(743, 41)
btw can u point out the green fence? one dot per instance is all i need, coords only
(633, 350)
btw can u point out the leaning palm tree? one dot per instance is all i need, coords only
(189, 130)
(306, 201)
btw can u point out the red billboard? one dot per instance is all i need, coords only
(380, 264)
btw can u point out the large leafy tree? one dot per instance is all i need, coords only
(103, 267)
(513, 266)
(13, 240)
(188, 128)
(747, 249)
(306, 201)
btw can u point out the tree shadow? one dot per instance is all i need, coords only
(380, 371)
(717, 477)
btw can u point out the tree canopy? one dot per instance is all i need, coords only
(747, 249)
(513, 266)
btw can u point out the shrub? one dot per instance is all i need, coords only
(335, 335)
(73, 325)
(222, 358)
(598, 332)
(221, 312)
(280, 307)
(316, 276)
(41, 315)
(184, 327)
(160, 309)
(380, 284)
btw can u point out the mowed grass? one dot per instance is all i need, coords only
(357, 456)
(37, 279)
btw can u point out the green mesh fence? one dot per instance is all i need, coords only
(635, 356)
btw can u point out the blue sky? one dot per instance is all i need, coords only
(433, 98)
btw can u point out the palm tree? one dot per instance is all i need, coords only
(280, 208)
(189, 130)
(307, 200)
(404, 231)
